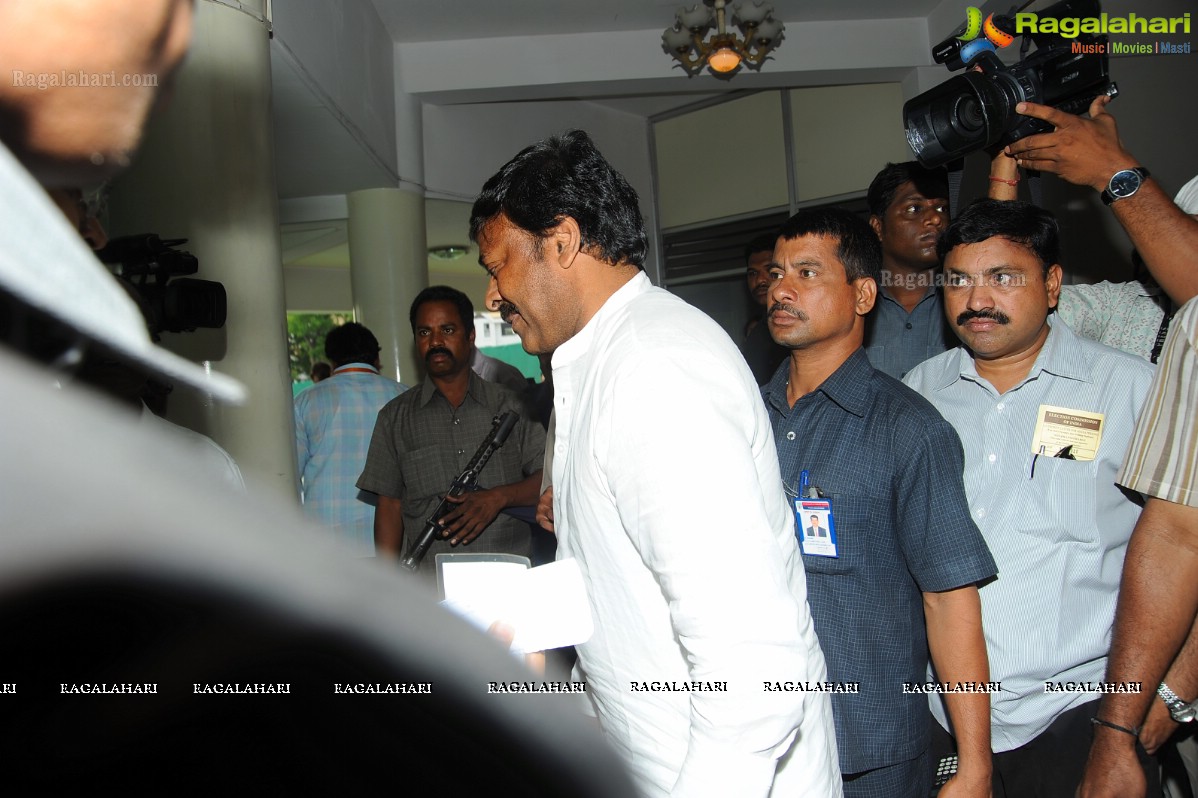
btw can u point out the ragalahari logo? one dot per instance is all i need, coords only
(975, 27)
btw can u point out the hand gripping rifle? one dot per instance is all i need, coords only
(501, 427)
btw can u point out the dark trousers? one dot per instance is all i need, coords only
(910, 779)
(1051, 765)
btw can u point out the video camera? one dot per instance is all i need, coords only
(148, 263)
(976, 110)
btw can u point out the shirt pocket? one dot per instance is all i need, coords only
(426, 473)
(1070, 498)
(876, 355)
(851, 523)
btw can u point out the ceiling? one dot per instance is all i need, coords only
(325, 244)
(447, 20)
(313, 148)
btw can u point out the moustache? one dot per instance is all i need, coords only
(779, 307)
(438, 350)
(993, 315)
(506, 309)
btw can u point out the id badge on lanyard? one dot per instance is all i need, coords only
(814, 521)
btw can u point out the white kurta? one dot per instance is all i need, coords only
(667, 492)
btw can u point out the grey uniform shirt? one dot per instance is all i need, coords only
(421, 443)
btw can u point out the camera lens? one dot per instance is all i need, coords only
(967, 116)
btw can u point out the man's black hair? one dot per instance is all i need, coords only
(351, 343)
(761, 243)
(1021, 222)
(857, 246)
(443, 293)
(566, 176)
(932, 183)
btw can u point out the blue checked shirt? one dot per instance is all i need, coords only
(1059, 536)
(897, 341)
(333, 423)
(892, 469)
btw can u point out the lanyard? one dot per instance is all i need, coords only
(1161, 334)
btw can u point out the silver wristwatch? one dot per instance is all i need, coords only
(1179, 710)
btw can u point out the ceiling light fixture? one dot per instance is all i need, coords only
(725, 51)
(450, 252)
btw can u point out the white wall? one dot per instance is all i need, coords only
(725, 160)
(344, 49)
(316, 290)
(466, 144)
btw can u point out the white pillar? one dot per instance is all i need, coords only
(388, 267)
(206, 173)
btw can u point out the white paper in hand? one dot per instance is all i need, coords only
(546, 606)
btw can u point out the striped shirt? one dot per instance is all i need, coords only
(1058, 532)
(333, 423)
(1163, 458)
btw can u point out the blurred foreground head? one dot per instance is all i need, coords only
(80, 79)
(120, 565)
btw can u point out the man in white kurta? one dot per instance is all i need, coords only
(704, 662)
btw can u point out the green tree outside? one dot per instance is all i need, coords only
(305, 340)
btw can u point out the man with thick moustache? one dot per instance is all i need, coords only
(899, 583)
(425, 437)
(692, 572)
(908, 210)
(1045, 417)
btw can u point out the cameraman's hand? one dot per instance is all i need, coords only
(1085, 152)
(1004, 176)
(475, 511)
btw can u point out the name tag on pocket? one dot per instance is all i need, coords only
(1071, 434)
(816, 527)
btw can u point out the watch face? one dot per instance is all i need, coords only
(1185, 714)
(1125, 183)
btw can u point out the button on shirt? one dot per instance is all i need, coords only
(421, 443)
(896, 341)
(667, 493)
(333, 423)
(1059, 536)
(891, 467)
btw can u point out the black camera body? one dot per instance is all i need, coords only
(976, 110)
(147, 263)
